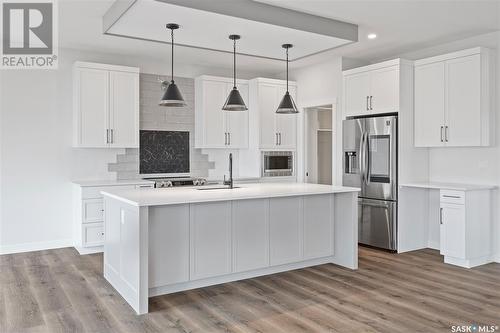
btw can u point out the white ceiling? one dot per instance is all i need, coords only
(210, 30)
(401, 26)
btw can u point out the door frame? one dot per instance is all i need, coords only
(301, 155)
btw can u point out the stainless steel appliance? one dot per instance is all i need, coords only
(177, 181)
(277, 163)
(370, 158)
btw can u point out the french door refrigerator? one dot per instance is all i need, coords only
(370, 148)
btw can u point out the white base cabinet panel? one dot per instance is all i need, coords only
(250, 234)
(163, 249)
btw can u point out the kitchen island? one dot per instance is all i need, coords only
(160, 241)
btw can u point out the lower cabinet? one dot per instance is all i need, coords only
(210, 225)
(465, 227)
(318, 231)
(192, 242)
(285, 230)
(250, 234)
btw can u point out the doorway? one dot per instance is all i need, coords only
(318, 144)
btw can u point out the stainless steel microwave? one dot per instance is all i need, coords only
(277, 163)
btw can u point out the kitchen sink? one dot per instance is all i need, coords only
(216, 188)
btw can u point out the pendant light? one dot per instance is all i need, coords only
(234, 102)
(172, 95)
(287, 105)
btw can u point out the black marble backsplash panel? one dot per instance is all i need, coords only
(164, 152)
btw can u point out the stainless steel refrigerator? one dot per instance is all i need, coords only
(370, 157)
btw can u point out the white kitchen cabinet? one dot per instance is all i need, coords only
(210, 227)
(318, 226)
(250, 234)
(168, 245)
(453, 99)
(372, 89)
(106, 106)
(430, 103)
(286, 234)
(276, 131)
(465, 227)
(89, 212)
(216, 128)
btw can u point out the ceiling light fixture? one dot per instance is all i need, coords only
(172, 95)
(372, 36)
(234, 101)
(287, 105)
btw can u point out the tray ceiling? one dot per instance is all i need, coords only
(207, 25)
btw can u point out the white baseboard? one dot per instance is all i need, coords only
(433, 245)
(496, 258)
(35, 246)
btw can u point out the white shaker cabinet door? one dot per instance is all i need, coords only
(384, 90)
(286, 124)
(92, 105)
(463, 98)
(250, 234)
(124, 106)
(210, 225)
(429, 105)
(357, 93)
(318, 226)
(268, 103)
(237, 121)
(285, 230)
(214, 119)
(453, 230)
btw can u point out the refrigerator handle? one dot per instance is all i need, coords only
(362, 157)
(367, 159)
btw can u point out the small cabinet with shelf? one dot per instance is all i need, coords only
(106, 106)
(453, 99)
(216, 128)
(372, 89)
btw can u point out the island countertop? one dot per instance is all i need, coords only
(184, 195)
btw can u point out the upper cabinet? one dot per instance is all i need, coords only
(372, 89)
(216, 128)
(106, 106)
(453, 99)
(276, 131)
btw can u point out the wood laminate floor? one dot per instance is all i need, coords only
(61, 291)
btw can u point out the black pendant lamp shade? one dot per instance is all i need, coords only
(234, 101)
(287, 105)
(172, 95)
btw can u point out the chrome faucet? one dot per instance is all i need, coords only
(230, 181)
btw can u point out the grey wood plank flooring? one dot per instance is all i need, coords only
(61, 291)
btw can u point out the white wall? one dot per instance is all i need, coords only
(320, 84)
(37, 160)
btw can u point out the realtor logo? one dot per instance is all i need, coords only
(29, 35)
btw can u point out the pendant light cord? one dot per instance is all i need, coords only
(172, 34)
(234, 62)
(287, 69)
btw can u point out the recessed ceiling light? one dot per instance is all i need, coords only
(372, 36)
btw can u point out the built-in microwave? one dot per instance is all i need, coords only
(277, 163)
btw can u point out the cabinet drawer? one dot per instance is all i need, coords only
(451, 196)
(95, 192)
(93, 210)
(93, 234)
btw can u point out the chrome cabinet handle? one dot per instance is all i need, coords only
(440, 215)
(451, 196)
(229, 138)
(371, 97)
(279, 136)
(225, 138)
(442, 140)
(112, 136)
(107, 136)
(276, 139)
(367, 103)
(446, 133)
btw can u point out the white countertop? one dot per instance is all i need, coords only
(449, 186)
(183, 195)
(111, 182)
